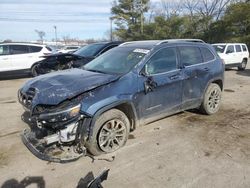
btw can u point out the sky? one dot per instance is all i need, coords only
(82, 19)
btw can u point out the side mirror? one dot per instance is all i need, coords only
(149, 84)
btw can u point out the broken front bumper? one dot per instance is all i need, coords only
(52, 153)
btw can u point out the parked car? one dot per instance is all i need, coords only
(131, 85)
(233, 54)
(77, 59)
(20, 57)
(69, 49)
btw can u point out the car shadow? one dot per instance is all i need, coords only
(26, 182)
(14, 77)
(246, 72)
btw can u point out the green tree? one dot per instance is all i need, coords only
(129, 18)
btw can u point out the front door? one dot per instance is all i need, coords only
(160, 87)
(5, 58)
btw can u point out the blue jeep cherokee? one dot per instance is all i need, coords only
(96, 107)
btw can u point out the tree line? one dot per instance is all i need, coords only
(211, 20)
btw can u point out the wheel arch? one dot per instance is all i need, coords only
(126, 107)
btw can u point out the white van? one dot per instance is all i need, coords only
(21, 57)
(233, 54)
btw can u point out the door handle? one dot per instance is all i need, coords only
(206, 69)
(173, 77)
(5, 58)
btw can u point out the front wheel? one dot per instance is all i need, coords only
(243, 65)
(110, 132)
(212, 99)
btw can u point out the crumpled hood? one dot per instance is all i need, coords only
(53, 88)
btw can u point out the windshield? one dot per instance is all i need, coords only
(89, 50)
(117, 61)
(219, 48)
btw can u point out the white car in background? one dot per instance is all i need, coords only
(69, 49)
(233, 54)
(21, 57)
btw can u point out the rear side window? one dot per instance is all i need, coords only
(4, 50)
(19, 49)
(34, 49)
(230, 49)
(238, 48)
(162, 61)
(190, 55)
(207, 54)
(244, 48)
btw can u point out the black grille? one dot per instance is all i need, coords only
(26, 98)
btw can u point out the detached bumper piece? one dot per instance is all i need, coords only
(51, 153)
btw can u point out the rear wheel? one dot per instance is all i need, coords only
(34, 72)
(243, 65)
(110, 132)
(212, 99)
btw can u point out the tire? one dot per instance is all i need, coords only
(212, 99)
(110, 132)
(33, 69)
(243, 65)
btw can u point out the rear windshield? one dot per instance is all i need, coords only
(219, 48)
(89, 50)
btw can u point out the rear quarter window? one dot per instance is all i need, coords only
(34, 49)
(48, 48)
(190, 55)
(244, 48)
(207, 54)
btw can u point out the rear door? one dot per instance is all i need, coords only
(197, 71)
(34, 55)
(239, 54)
(5, 63)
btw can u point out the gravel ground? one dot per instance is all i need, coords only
(184, 150)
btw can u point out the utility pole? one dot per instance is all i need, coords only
(141, 9)
(55, 34)
(111, 28)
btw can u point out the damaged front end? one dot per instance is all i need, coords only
(57, 133)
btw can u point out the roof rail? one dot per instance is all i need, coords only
(181, 40)
(131, 42)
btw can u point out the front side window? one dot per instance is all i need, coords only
(117, 60)
(190, 55)
(238, 48)
(230, 49)
(162, 61)
(207, 54)
(19, 49)
(4, 50)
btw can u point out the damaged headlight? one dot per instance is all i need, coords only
(60, 116)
